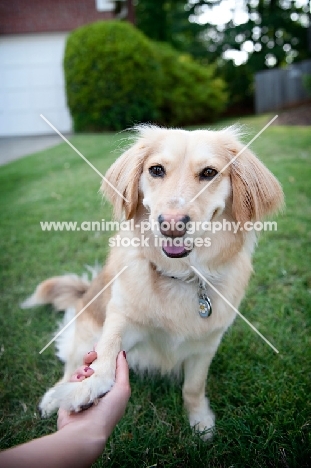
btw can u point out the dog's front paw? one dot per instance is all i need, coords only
(205, 426)
(203, 421)
(75, 396)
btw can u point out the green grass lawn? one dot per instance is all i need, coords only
(261, 399)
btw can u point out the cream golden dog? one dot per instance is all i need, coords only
(159, 309)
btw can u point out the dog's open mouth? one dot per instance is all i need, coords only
(175, 251)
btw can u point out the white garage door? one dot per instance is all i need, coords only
(32, 83)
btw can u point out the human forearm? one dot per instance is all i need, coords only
(70, 447)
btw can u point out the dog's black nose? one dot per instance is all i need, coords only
(173, 225)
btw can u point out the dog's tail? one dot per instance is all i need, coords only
(60, 291)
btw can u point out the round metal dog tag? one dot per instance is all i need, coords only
(205, 306)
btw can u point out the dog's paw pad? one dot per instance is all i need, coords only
(95, 402)
(85, 407)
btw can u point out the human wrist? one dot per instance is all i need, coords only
(85, 434)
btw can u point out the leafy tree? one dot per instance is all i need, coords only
(275, 34)
(168, 21)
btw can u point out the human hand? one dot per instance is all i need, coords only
(81, 436)
(100, 420)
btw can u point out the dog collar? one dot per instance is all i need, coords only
(205, 304)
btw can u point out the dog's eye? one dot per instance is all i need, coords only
(157, 171)
(208, 173)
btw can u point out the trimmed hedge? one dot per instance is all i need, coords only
(190, 92)
(112, 75)
(116, 77)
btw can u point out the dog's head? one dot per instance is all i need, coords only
(183, 177)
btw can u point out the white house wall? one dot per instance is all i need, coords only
(32, 83)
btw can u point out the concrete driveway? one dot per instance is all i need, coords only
(12, 148)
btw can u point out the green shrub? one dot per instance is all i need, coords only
(111, 75)
(116, 77)
(190, 92)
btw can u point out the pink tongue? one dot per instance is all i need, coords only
(174, 249)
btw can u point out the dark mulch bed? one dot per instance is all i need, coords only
(300, 115)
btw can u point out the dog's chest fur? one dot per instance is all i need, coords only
(165, 323)
(157, 349)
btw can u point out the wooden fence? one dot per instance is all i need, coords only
(281, 87)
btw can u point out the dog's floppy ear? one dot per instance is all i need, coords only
(256, 192)
(122, 179)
